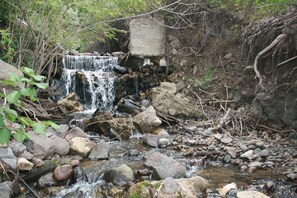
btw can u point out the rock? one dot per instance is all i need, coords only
(251, 194)
(170, 186)
(227, 158)
(162, 62)
(228, 56)
(145, 103)
(120, 128)
(18, 148)
(7, 156)
(39, 145)
(119, 69)
(74, 163)
(101, 151)
(151, 140)
(190, 128)
(6, 187)
(223, 191)
(232, 151)
(164, 98)
(26, 155)
(61, 131)
(142, 43)
(61, 145)
(162, 142)
(6, 69)
(292, 176)
(226, 140)
(211, 147)
(218, 136)
(147, 120)
(243, 147)
(119, 175)
(161, 132)
(257, 151)
(202, 142)
(47, 180)
(38, 162)
(75, 132)
(164, 166)
(248, 155)
(256, 164)
(63, 173)
(180, 85)
(81, 146)
(264, 153)
(70, 103)
(24, 164)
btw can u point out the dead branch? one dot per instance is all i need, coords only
(223, 120)
(286, 61)
(269, 47)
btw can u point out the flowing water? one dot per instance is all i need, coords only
(90, 77)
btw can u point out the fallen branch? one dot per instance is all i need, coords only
(287, 61)
(269, 47)
(223, 120)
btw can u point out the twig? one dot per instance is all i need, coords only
(275, 130)
(200, 104)
(156, 193)
(282, 63)
(269, 47)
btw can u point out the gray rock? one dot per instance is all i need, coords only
(101, 151)
(147, 120)
(75, 132)
(7, 156)
(164, 166)
(202, 142)
(18, 148)
(231, 151)
(6, 188)
(120, 69)
(47, 180)
(119, 175)
(211, 147)
(151, 140)
(292, 176)
(142, 43)
(6, 69)
(260, 144)
(61, 131)
(27, 155)
(226, 140)
(170, 185)
(264, 153)
(248, 154)
(162, 142)
(257, 150)
(180, 85)
(190, 128)
(227, 158)
(61, 145)
(251, 194)
(218, 136)
(145, 103)
(269, 163)
(243, 147)
(40, 146)
(256, 164)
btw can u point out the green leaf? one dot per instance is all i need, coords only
(38, 77)
(28, 92)
(28, 71)
(2, 94)
(5, 135)
(20, 135)
(52, 124)
(41, 85)
(25, 121)
(1, 121)
(13, 97)
(10, 114)
(39, 127)
(9, 83)
(14, 77)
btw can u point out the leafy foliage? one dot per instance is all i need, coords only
(9, 115)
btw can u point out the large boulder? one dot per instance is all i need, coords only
(170, 188)
(164, 166)
(39, 145)
(250, 194)
(167, 101)
(147, 120)
(6, 69)
(147, 37)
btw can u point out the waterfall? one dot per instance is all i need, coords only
(91, 78)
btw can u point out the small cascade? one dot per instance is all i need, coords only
(90, 77)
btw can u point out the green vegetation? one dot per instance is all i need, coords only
(13, 99)
(205, 82)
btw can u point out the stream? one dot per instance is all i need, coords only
(92, 79)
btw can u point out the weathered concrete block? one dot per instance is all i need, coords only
(147, 37)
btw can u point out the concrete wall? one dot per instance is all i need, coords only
(147, 38)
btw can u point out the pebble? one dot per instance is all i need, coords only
(209, 141)
(257, 150)
(248, 154)
(243, 168)
(202, 142)
(190, 129)
(252, 169)
(264, 153)
(218, 136)
(162, 142)
(243, 147)
(260, 144)
(227, 158)
(226, 140)
(256, 164)
(231, 151)
(211, 147)
(292, 176)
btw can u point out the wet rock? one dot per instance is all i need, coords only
(63, 173)
(47, 180)
(81, 146)
(75, 132)
(231, 151)
(151, 140)
(18, 148)
(101, 151)
(251, 194)
(40, 146)
(162, 142)
(70, 103)
(61, 145)
(6, 189)
(187, 151)
(119, 175)
(164, 98)
(248, 154)
(24, 164)
(119, 69)
(147, 120)
(7, 156)
(164, 166)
